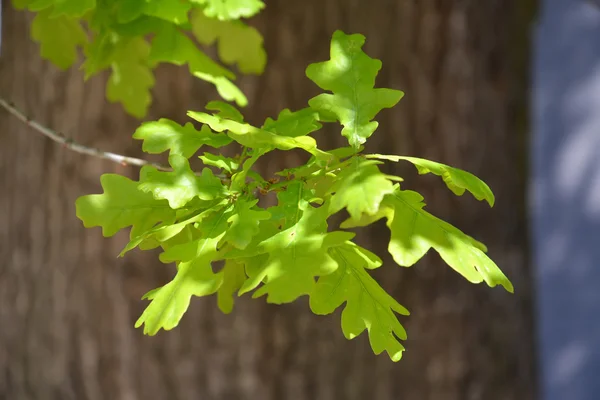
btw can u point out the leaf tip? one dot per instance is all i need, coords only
(396, 356)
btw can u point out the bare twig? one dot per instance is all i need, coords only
(72, 145)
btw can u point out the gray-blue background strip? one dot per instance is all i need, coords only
(565, 197)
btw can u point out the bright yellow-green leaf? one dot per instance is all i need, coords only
(350, 76)
(294, 124)
(368, 306)
(297, 254)
(456, 179)
(164, 134)
(181, 186)
(194, 277)
(121, 205)
(230, 9)
(250, 136)
(244, 223)
(225, 110)
(166, 231)
(226, 88)
(360, 188)
(414, 231)
(226, 163)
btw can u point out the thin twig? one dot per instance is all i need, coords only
(76, 147)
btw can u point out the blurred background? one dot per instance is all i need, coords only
(506, 89)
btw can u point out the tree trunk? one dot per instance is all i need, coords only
(67, 304)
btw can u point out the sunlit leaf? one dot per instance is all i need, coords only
(121, 205)
(350, 76)
(230, 9)
(164, 134)
(293, 124)
(414, 231)
(360, 188)
(181, 186)
(456, 179)
(367, 305)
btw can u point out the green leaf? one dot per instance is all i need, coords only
(343, 152)
(291, 204)
(99, 53)
(296, 254)
(159, 234)
(194, 278)
(350, 76)
(228, 164)
(368, 306)
(67, 8)
(234, 276)
(294, 124)
(131, 79)
(72, 8)
(129, 10)
(20, 4)
(58, 38)
(164, 134)
(39, 5)
(360, 188)
(171, 46)
(225, 110)
(414, 231)
(226, 89)
(142, 26)
(289, 272)
(238, 43)
(230, 9)
(181, 186)
(121, 205)
(187, 234)
(175, 12)
(250, 136)
(244, 223)
(456, 179)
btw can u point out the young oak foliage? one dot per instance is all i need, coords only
(201, 218)
(131, 38)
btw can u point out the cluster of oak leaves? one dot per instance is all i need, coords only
(114, 36)
(286, 251)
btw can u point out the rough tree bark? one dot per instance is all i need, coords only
(67, 304)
